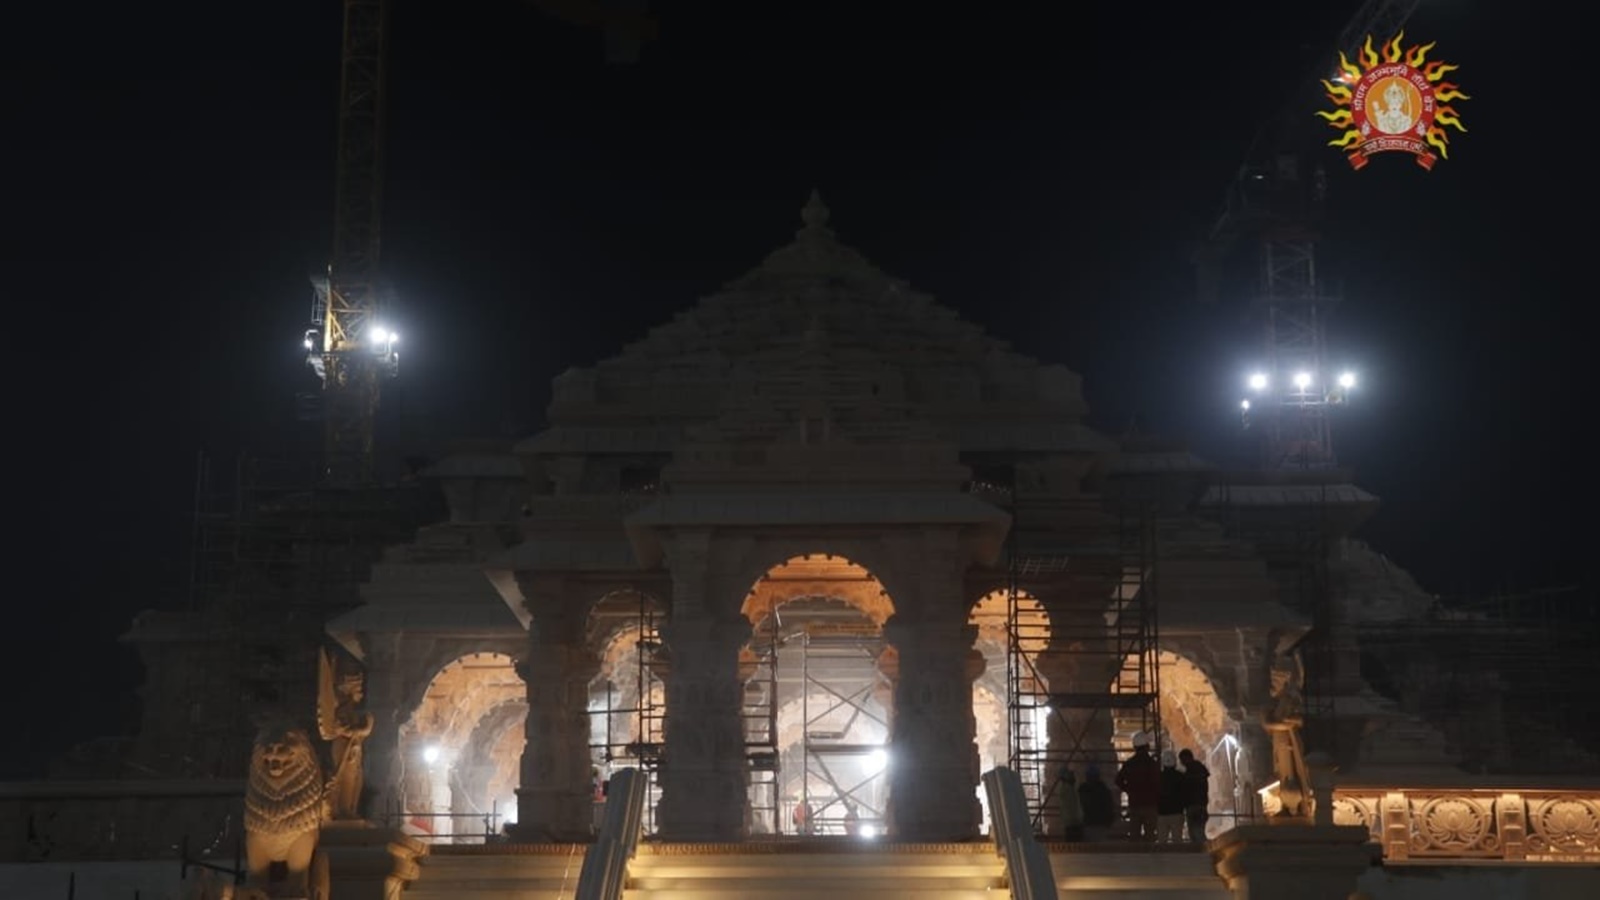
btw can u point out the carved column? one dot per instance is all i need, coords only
(386, 701)
(933, 753)
(555, 798)
(703, 778)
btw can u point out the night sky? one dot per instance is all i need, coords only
(168, 186)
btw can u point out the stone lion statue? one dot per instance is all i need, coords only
(285, 806)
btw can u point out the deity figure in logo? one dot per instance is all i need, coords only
(1392, 113)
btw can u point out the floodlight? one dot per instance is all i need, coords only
(378, 335)
(430, 754)
(1302, 380)
(1347, 380)
(869, 831)
(1244, 405)
(877, 761)
(1258, 382)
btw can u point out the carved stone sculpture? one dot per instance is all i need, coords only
(285, 806)
(342, 723)
(1283, 720)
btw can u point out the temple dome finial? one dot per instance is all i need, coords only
(815, 213)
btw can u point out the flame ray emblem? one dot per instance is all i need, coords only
(1393, 98)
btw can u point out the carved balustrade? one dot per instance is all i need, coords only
(1543, 825)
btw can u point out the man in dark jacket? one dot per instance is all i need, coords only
(1099, 811)
(1196, 795)
(1140, 779)
(1169, 804)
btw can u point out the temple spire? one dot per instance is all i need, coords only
(814, 215)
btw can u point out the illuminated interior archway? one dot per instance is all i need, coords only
(627, 699)
(998, 624)
(1194, 717)
(462, 746)
(817, 707)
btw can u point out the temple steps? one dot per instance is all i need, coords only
(1130, 874)
(811, 870)
(801, 872)
(448, 873)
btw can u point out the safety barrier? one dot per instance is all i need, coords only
(1027, 863)
(605, 866)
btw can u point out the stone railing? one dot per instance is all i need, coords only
(1515, 825)
(118, 820)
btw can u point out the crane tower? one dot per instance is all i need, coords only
(1277, 200)
(347, 343)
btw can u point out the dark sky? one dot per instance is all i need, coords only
(167, 187)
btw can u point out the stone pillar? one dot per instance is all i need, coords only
(365, 863)
(383, 769)
(704, 781)
(1306, 862)
(556, 796)
(933, 752)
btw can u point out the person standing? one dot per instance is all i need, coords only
(1196, 795)
(1169, 801)
(1071, 810)
(1099, 812)
(1140, 779)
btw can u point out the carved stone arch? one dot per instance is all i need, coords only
(615, 612)
(425, 659)
(981, 584)
(1194, 650)
(759, 594)
(496, 719)
(766, 554)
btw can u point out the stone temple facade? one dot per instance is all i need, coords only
(812, 555)
(801, 452)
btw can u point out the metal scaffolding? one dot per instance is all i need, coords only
(759, 711)
(842, 776)
(638, 744)
(1083, 673)
(277, 552)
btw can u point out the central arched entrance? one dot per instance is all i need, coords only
(817, 706)
(460, 750)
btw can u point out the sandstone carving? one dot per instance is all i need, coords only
(1282, 721)
(285, 807)
(343, 723)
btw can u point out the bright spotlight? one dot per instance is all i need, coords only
(869, 831)
(1258, 382)
(1302, 380)
(378, 335)
(877, 761)
(430, 754)
(1347, 380)
(1244, 405)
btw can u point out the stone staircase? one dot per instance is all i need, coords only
(1131, 872)
(819, 868)
(498, 872)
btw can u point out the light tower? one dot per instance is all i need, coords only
(347, 344)
(1290, 398)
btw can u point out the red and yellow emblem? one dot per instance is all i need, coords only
(1395, 100)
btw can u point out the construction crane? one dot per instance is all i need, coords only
(348, 345)
(1276, 202)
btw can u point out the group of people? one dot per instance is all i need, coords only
(1165, 804)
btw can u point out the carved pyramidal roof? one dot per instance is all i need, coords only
(816, 320)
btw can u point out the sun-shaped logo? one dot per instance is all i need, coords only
(1396, 100)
